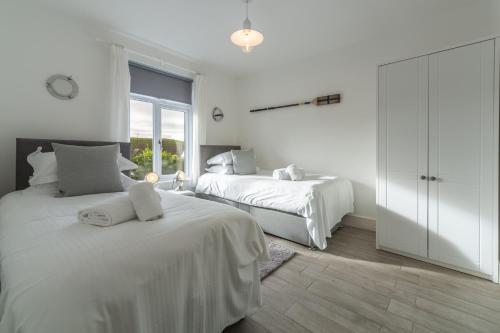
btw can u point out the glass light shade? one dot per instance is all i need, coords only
(152, 178)
(247, 39)
(180, 176)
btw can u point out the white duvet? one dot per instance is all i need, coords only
(322, 200)
(195, 270)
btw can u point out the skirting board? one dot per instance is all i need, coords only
(437, 263)
(359, 222)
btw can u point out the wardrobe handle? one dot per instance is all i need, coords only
(423, 177)
(433, 178)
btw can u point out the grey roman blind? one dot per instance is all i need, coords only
(152, 82)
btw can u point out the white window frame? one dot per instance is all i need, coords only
(158, 105)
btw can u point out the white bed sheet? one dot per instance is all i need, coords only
(195, 270)
(322, 200)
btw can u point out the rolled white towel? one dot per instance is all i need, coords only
(146, 201)
(281, 174)
(295, 173)
(108, 213)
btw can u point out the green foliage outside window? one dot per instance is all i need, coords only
(142, 155)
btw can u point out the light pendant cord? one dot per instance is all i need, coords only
(247, 25)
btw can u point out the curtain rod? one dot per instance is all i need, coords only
(160, 60)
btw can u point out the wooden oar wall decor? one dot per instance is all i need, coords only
(322, 100)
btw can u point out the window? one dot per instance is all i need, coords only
(160, 122)
(160, 133)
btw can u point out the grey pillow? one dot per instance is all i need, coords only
(244, 162)
(87, 170)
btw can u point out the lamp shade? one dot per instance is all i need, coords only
(152, 178)
(180, 176)
(247, 39)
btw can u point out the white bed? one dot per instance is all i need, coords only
(195, 270)
(321, 200)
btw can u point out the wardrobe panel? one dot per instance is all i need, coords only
(461, 142)
(402, 201)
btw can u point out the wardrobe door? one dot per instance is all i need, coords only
(462, 152)
(402, 157)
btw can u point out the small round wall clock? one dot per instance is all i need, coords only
(217, 114)
(62, 87)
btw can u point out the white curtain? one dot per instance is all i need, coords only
(120, 95)
(199, 124)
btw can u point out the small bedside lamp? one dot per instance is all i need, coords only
(180, 176)
(152, 177)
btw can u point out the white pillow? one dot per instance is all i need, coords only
(224, 158)
(45, 166)
(221, 169)
(125, 164)
(127, 181)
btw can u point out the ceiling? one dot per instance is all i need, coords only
(293, 29)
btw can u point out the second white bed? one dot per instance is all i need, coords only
(321, 200)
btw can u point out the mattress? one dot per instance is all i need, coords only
(195, 270)
(321, 200)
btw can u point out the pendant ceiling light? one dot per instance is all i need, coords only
(247, 38)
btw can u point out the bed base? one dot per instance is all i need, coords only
(281, 224)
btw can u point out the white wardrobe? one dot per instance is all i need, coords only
(437, 160)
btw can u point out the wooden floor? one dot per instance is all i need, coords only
(351, 287)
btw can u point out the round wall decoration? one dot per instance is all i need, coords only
(217, 114)
(62, 87)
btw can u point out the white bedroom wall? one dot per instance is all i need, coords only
(36, 43)
(222, 92)
(341, 139)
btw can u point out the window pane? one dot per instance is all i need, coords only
(141, 137)
(172, 141)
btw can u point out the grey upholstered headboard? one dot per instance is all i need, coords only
(208, 151)
(24, 147)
